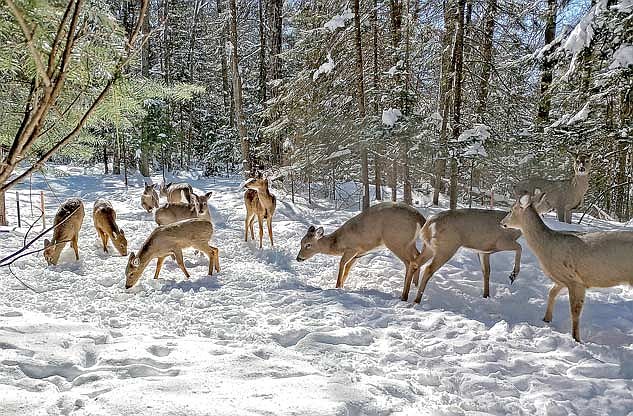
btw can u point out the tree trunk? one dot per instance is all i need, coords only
(548, 63)
(262, 54)
(394, 180)
(406, 180)
(360, 91)
(226, 89)
(3, 210)
(237, 95)
(487, 48)
(116, 157)
(376, 99)
(444, 97)
(166, 44)
(105, 159)
(458, 64)
(275, 13)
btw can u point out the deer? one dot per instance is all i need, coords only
(149, 198)
(67, 223)
(393, 225)
(170, 240)
(573, 261)
(563, 195)
(259, 203)
(176, 211)
(177, 192)
(475, 229)
(104, 220)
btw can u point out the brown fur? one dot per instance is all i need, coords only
(104, 219)
(563, 195)
(175, 192)
(169, 240)
(394, 225)
(149, 198)
(476, 229)
(172, 212)
(575, 261)
(73, 209)
(259, 203)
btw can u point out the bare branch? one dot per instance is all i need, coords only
(28, 35)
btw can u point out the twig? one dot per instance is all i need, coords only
(600, 196)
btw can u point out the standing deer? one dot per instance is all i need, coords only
(575, 261)
(259, 203)
(149, 198)
(104, 219)
(68, 220)
(170, 240)
(177, 192)
(172, 212)
(476, 229)
(563, 195)
(394, 225)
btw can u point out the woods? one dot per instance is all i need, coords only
(464, 96)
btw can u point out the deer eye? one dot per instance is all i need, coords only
(308, 245)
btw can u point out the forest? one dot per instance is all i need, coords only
(397, 98)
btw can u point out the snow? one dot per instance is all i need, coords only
(338, 153)
(623, 57)
(580, 116)
(392, 71)
(390, 116)
(269, 335)
(475, 138)
(339, 20)
(325, 68)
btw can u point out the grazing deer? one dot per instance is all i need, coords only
(68, 220)
(177, 192)
(259, 203)
(149, 198)
(575, 261)
(394, 225)
(172, 212)
(104, 219)
(170, 240)
(563, 195)
(476, 229)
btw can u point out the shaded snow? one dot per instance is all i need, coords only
(269, 335)
(325, 68)
(339, 20)
(390, 116)
(623, 57)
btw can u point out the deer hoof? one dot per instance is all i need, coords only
(512, 277)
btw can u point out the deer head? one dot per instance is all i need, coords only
(309, 243)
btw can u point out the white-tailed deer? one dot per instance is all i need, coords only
(563, 195)
(177, 192)
(574, 261)
(149, 198)
(170, 240)
(476, 229)
(259, 203)
(68, 220)
(104, 219)
(172, 212)
(394, 225)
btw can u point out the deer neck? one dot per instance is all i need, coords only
(536, 233)
(265, 197)
(327, 245)
(145, 255)
(58, 250)
(580, 184)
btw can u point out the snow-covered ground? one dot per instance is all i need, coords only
(270, 336)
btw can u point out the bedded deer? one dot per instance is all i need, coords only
(259, 203)
(394, 225)
(149, 198)
(575, 261)
(170, 240)
(172, 212)
(68, 220)
(476, 229)
(563, 195)
(177, 192)
(104, 219)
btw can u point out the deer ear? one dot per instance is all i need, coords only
(319, 232)
(525, 201)
(122, 232)
(47, 242)
(115, 236)
(208, 194)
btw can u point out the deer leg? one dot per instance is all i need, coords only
(216, 258)
(181, 262)
(347, 256)
(159, 265)
(484, 258)
(348, 267)
(512, 245)
(438, 261)
(576, 302)
(551, 299)
(410, 270)
(260, 221)
(560, 213)
(269, 222)
(104, 240)
(74, 243)
(251, 227)
(246, 224)
(568, 216)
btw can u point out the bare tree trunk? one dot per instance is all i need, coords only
(226, 89)
(262, 54)
(394, 180)
(444, 98)
(166, 43)
(376, 94)
(105, 159)
(275, 23)
(360, 91)
(116, 157)
(486, 52)
(458, 64)
(3, 210)
(237, 95)
(548, 63)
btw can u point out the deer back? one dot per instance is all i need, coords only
(172, 212)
